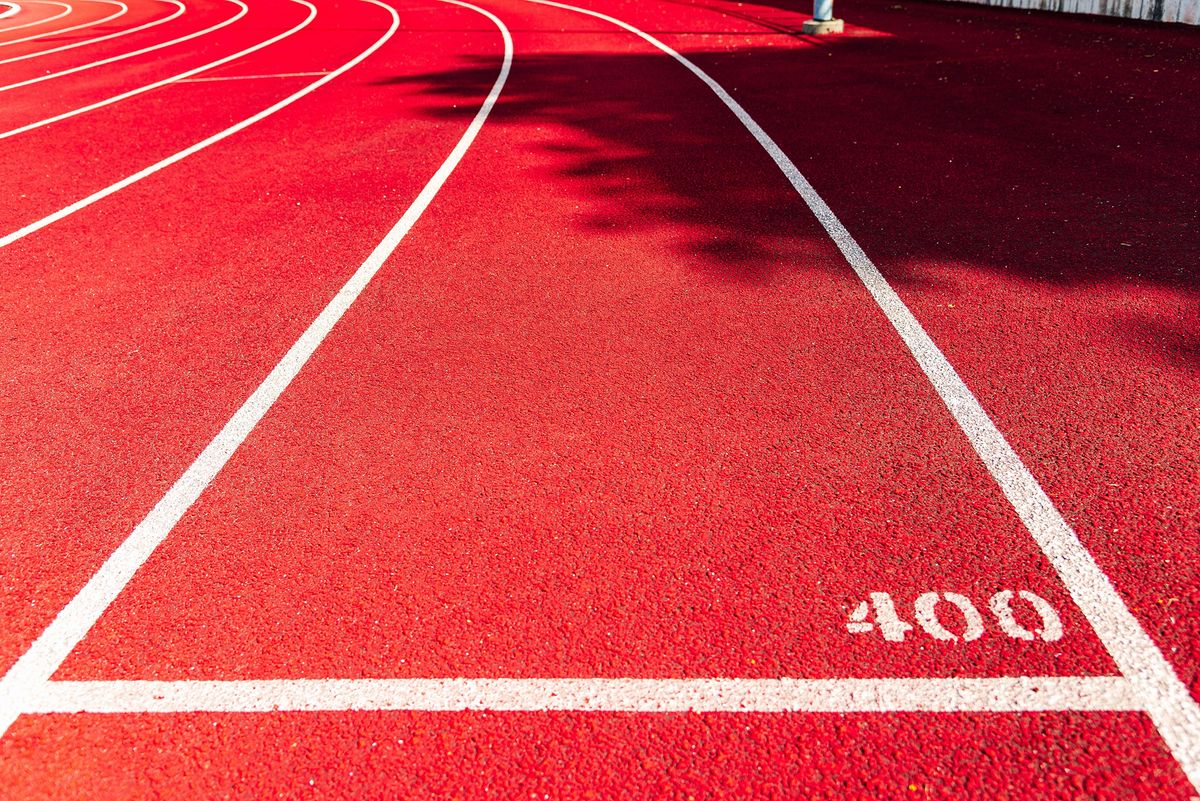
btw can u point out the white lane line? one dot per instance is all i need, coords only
(9, 9)
(312, 13)
(251, 77)
(121, 11)
(242, 10)
(1024, 694)
(67, 9)
(1165, 698)
(179, 9)
(26, 678)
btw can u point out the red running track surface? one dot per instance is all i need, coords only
(615, 408)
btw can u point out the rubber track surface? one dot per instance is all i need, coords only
(616, 407)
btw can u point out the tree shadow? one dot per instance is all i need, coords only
(1178, 338)
(961, 138)
(641, 155)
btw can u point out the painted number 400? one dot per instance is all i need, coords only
(950, 616)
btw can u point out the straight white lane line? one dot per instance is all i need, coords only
(121, 11)
(242, 9)
(67, 9)
(1165, 698)
(179, 9)
(8, 10)
(251, 77)
(25, 679)
(312, 13)
(1025, 694)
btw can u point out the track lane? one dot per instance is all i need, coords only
(1166, 699)
(1100, 407)
(1063, 749)
(151, 86)
(29, 60)
(348, 645)
(121, 10)
(693, 384)
(482, 755)
(80, 160)
(78, 157)
(222, 17)
(116, 310)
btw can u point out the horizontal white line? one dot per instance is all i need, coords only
(1023, 694)
(250, 77)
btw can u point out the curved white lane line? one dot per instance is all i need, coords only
(179, 9)
(139, 90)
(10, 9)
(1166, 699)
(242, 10)
(26, 680)
(129, 180)
(67, 9)
(121, 11)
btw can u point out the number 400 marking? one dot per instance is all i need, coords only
(893, 629)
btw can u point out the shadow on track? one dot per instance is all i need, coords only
(953, 139)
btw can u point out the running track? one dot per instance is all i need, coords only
(416, 399)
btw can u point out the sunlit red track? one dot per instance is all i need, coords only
(613, 409)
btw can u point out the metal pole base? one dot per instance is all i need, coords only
(817, 27)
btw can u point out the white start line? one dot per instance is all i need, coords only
(1148, 683)
(1025, 694)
